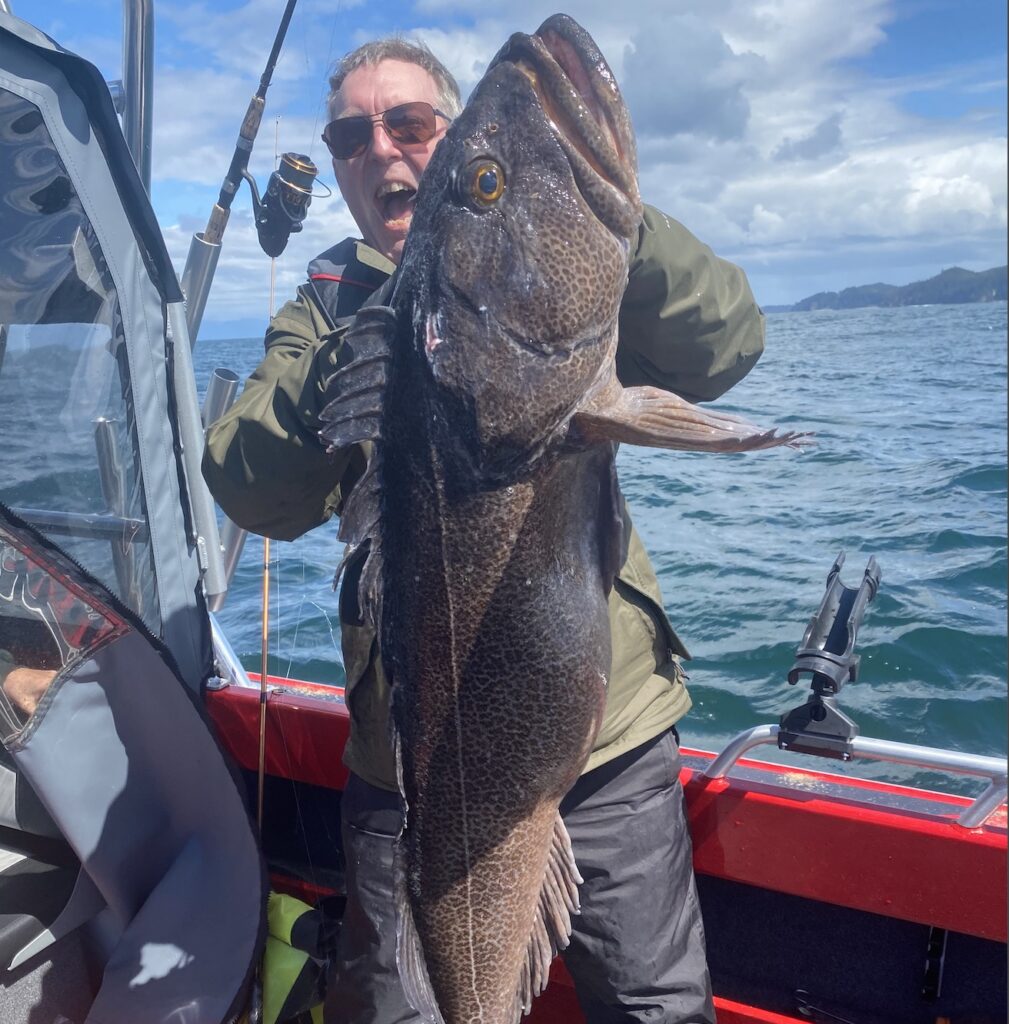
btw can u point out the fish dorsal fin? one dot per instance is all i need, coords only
(552, 923)
(355, 397)
(659, 419)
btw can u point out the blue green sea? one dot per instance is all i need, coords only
(908, 406)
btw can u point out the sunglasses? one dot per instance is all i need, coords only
(407, 123)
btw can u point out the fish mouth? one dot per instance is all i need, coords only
(581, 100)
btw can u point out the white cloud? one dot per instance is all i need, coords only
(465, 53)
(796, 37)
(824, 139)
(760, 125)
(699, 91)
(238, 39)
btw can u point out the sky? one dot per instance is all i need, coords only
(817, 144)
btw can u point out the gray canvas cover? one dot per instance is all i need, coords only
(131, 885)
(90, 372)
(117, 750)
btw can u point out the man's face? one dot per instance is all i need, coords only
(367, 181)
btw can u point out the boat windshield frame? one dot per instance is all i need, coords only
(145, 317)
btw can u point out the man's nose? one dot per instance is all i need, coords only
(383, 145)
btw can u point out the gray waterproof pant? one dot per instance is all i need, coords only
(637, 949)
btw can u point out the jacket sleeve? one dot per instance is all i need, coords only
(688, 320)
(263, 460)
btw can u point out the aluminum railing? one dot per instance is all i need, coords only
(991, 768)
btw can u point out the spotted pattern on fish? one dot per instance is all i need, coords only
(490, 514)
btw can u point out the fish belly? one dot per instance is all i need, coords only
(497, 705)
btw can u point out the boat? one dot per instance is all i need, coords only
(826, 897)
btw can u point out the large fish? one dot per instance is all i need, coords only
(490, 510)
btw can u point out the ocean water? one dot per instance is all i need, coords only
(908, 407)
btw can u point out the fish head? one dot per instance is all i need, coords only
(518, 253)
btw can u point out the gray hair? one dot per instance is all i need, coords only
(398, 48)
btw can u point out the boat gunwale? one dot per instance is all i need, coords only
(773, 826)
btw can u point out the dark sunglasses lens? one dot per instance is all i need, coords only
(347, 136)
(411, 122)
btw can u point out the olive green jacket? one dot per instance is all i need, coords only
(688, 323)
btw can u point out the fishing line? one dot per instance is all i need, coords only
(277, 605)
(265, 636)
(329, 623)
(316, 135)
(297, 620)
(299, 815)
(265, 655)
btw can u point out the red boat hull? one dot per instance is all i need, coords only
(785, 857)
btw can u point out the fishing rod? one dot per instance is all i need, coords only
(265, 635)
(246, 137)
(278, 214)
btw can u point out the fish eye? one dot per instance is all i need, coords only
(487, 182)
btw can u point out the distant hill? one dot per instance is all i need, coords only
(953, 285)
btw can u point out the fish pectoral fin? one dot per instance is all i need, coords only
(552, 924)
(355, 391)
(659, 419)
(410, 960)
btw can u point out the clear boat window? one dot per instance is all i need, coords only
(46, 624)
(68, 443)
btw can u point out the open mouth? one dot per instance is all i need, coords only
(580, 98)
(395, 201)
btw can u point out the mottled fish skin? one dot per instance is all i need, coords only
(490, 512)
(501, 645)
(500, 546)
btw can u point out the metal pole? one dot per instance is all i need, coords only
(197, 277)
(208, 541)
(113, 481)
(233, 539)
(229, 666)
(992, 768)
(220, 394)
(138, 83)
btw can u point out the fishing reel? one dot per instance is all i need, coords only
(282, 211)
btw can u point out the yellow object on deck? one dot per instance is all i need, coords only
(292, 977)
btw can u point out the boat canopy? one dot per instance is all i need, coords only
(131, 882)
(94, 352)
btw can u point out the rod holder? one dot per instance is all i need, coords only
(197, 277)
(221, 391)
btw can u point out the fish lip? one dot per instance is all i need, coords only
(580, 98)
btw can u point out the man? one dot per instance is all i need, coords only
(688, 323)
